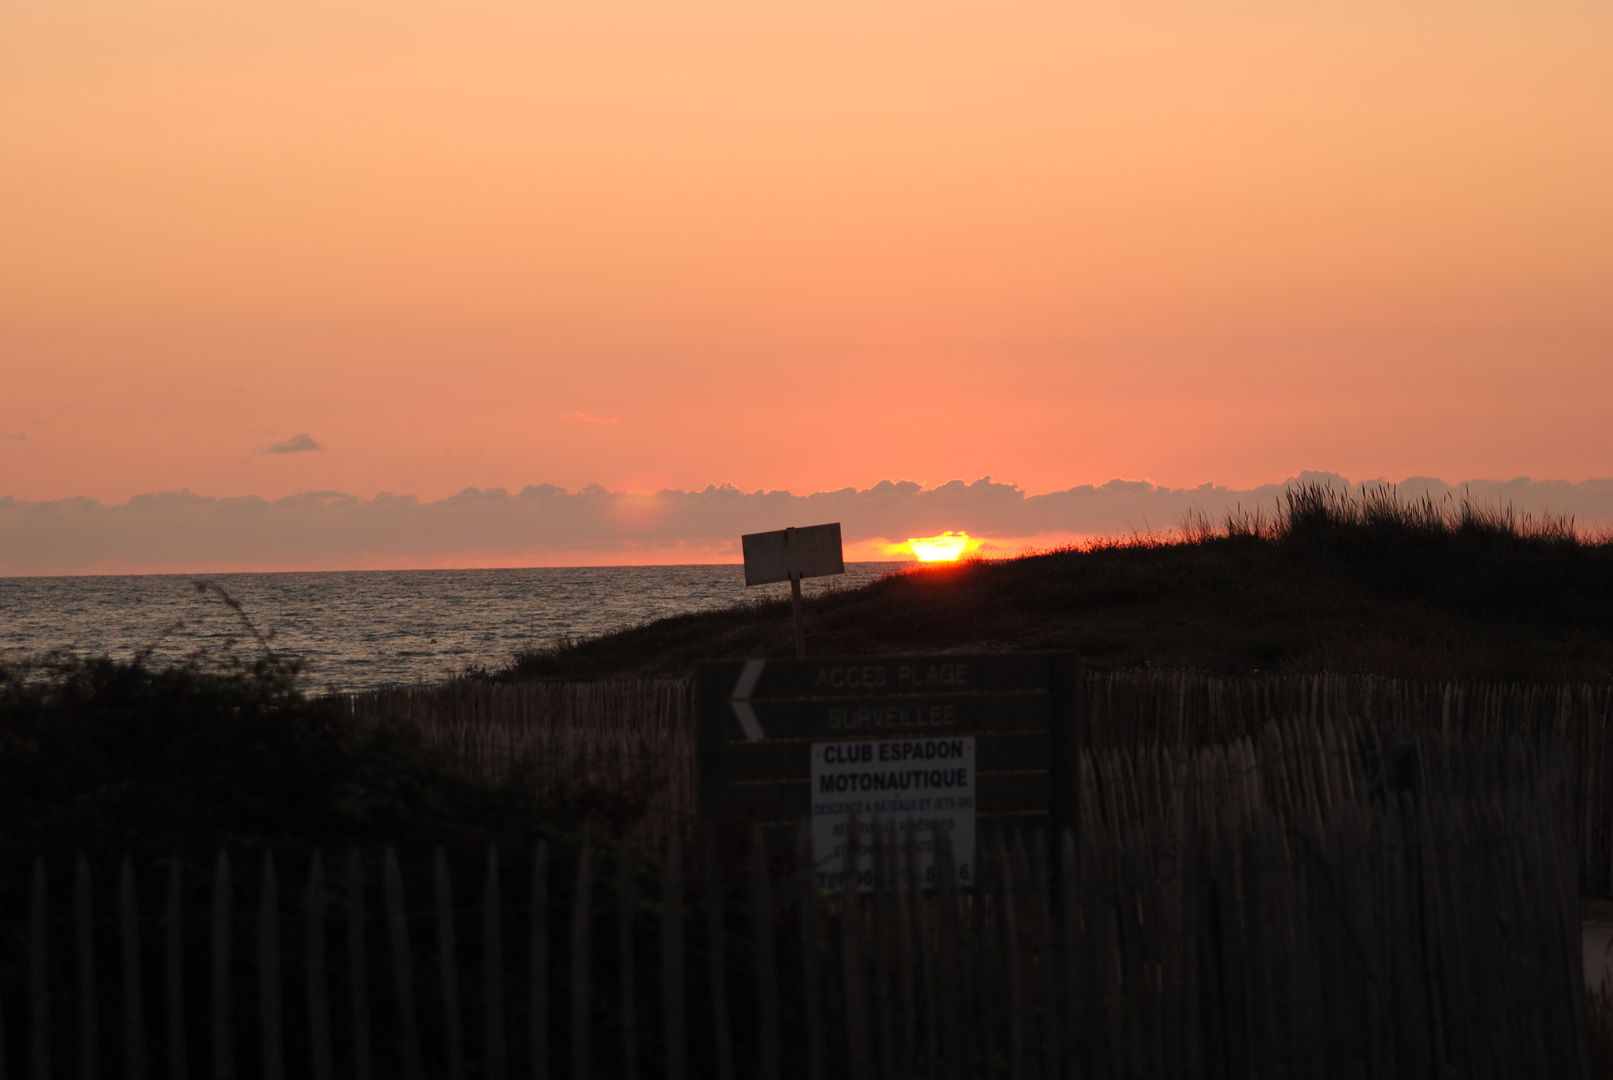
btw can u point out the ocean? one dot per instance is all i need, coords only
(359, 630)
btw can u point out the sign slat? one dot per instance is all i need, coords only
(790, 800)
(891, 717)
(962, 673)
(749, 762)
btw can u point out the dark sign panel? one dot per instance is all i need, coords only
(968, 742)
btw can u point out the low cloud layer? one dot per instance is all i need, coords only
(298, 443)
(546, 525)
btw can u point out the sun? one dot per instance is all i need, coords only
(944, 548)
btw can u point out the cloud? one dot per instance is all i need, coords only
(545, 525)
(295, 445)
(584, 418)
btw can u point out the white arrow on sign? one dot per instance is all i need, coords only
(740, 700)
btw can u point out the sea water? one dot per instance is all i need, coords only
(357, 630)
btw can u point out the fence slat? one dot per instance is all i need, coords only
(673, 1005)
(582, 1049)
(767, 1010)
(988, 994)
(624, 952)
(1008, 928)
(717, 970)
(1070, 905)
(538, 962)
(358, 966)
(39, 972)
(949, 965)
(269, 997)
(134, 1005)
(921, 938)
(397, 927)
(84, 933)
(811, 983)
(1039, 900)
(319, 1049)
(883, 933)
(906, 958)
(223, 990)
(174, 970)
(858, 1052)
(448, 967)
(493, 972)
(3, 1051)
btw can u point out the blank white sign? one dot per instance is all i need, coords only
(793, 553)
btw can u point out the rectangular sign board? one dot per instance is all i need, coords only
(814, 551)
(973, 742)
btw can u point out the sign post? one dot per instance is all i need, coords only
(971, 743)
(793, 554)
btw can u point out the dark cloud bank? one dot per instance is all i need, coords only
(325, 530)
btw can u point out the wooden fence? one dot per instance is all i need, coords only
(635, 738)
(1324, 900)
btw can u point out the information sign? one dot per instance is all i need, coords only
(976, 743)
(914, 785)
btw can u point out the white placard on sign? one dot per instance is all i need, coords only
(915, 784)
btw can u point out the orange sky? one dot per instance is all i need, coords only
(800, 246)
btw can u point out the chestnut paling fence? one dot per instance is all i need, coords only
(633, 739)
(1339, 897)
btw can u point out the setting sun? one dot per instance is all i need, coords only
(944, 548)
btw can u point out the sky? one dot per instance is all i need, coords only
(296, 250)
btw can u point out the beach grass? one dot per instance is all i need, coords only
(1325, 580)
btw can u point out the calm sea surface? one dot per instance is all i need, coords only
(363, 629)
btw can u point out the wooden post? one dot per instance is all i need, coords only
(39, 971)
(811, 983)
(674, 1006)
(766, 963)
(358, 966)
(397, 925)
(318, 985)
(493, 972)
(720, 1028)
(84, 932)
(538, 962)
(624, 952)
(173, 963)
(269, 998)
(582, 1059)
(448, 962)
(223, 996)
(134, 1008)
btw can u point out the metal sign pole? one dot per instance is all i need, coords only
(792, 555)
